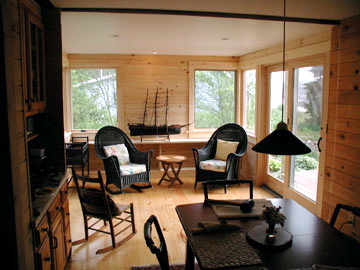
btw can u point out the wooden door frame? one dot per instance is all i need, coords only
(284, 188)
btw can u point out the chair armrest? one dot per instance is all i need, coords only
(140, 157)
(201, 153)
(233, 156)
(111, 166)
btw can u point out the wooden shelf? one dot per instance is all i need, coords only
(32, 136)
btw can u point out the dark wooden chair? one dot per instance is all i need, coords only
(228, 132)
(97, 206)
(161, 250)
(110, 135)
(352, 209)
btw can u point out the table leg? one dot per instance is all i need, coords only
(166, 168)
(189, 257)
(166, 175)
(176, 173)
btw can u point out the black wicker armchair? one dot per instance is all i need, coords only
(229, 170)
(115, 172)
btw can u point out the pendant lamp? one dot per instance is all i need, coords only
(281, 141)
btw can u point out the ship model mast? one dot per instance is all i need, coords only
(144, 129)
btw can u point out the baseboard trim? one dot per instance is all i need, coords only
(271, 191)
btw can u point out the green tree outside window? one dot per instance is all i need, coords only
(214, 98)
(93, 98)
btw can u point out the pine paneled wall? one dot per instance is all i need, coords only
(137, 73)
(342, 178)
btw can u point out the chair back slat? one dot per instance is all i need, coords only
(161, 250)
(93, 201)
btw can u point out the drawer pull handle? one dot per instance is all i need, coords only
(55, 242)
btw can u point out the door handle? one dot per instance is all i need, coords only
(318, 144)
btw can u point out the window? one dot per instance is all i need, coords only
(214, 101)
(93, 98)
(249, 112)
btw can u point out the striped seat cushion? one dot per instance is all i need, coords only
(132, 168)
(214, 165)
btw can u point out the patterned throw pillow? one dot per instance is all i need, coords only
(118, 150)
(224, 148)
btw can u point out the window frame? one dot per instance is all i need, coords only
(216, 66)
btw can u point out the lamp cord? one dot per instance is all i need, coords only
(283, 65)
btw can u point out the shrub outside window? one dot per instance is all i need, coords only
(214, 98)
(93, 98)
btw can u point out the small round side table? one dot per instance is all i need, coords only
(167, 162)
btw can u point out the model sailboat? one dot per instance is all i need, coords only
(140, 129)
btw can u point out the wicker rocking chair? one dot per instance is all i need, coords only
(137, 170)
(228, 168)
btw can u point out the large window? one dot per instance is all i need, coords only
(249, 112)
(214, 98)
(93, 98)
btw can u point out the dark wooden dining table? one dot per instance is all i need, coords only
(314, 241)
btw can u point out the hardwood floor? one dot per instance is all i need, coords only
(160, 201)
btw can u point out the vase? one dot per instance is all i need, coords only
(271, 231)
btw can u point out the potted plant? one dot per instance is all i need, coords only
(272, 216)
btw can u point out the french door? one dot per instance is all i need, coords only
(303, 108)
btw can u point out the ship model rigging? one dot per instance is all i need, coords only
(141, 129)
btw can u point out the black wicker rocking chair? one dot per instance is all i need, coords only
(110, 135)
(228, 132)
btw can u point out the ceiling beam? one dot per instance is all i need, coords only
(203, 14)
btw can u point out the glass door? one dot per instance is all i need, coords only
(297, 177)
(307, 114)
(275, 172)
(276, 164)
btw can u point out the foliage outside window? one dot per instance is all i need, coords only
(249, 78)
(307, 114)
(93, 98)
(214, 98)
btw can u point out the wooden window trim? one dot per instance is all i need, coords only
(205, 133)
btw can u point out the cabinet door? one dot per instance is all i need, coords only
(58, 245)
(66, 222)
(44, 254)
(35, 64)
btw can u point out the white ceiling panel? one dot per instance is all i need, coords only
(112, 33)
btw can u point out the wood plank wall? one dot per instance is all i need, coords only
(342, 177)
(137, 73)
(13, 64)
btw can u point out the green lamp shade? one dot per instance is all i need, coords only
(281, 142)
